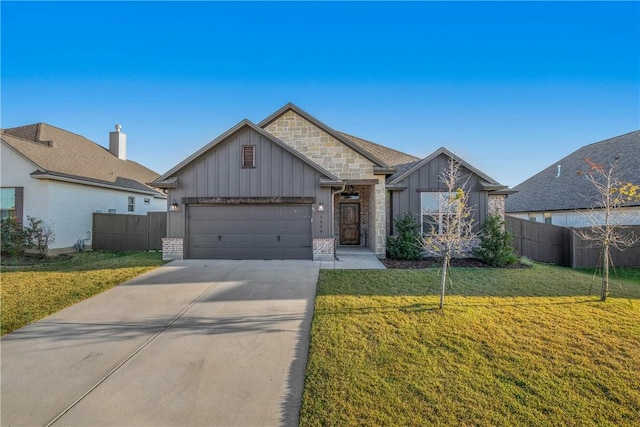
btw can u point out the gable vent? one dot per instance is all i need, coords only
(248, 156)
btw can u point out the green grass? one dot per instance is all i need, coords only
(33, 292)
(511, 347)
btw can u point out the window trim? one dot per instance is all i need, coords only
(438, 214)
(245, 161)
(131, 204)
(18, 202)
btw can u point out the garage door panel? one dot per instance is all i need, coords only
(250, 232)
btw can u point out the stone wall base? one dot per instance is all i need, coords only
(172, 248)
(324, 249)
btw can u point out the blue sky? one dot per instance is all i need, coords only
(512, 87)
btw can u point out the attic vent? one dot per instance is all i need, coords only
(248, 156)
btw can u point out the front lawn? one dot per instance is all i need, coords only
(511, 347)
(33, 292)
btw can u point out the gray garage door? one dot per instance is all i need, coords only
(250, 232)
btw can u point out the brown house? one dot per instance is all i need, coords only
(291, 187)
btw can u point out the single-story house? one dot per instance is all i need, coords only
(562, 195)
(293, 187)
(63, 178)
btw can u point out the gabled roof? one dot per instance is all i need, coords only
(546, 191)
(61, 155)
(408, 169)
(388, 155)
(337, 135)
(166, 178)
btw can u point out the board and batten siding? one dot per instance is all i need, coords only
(427, 178)
(219, 173)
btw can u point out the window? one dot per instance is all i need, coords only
(532, 217)
(131, 204)
(147, 201)
(112, 211)
(248, 156)
(547, 218)
(435, 207)
(11, 203)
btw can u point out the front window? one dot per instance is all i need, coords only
(435, 207)
(8, 203)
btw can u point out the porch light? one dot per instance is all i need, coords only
(321, 206)
(174, 206)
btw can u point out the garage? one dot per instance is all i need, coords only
(246, 231)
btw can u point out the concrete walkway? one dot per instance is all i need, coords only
(353, 258)
(191, 343)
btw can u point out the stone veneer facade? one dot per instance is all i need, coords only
(344, 162)
(496, 204)
(320, 147)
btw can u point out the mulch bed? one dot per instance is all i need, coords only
(436, 263)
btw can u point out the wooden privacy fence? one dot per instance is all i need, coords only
(562, 246)
(118, 232)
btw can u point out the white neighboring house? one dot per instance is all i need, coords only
(562, 195)
(63, 178)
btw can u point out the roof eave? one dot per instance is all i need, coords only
(79, 180)
(379, 170)
(324, 183)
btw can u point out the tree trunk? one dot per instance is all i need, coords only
(605, 272)
(445, 267)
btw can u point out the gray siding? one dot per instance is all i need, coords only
(219, 173)
(427, 179)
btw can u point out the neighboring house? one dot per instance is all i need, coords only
(292, 187)
(562, 195)
(62, 178)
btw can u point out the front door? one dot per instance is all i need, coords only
(350, 224)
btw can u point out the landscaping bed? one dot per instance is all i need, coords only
(436, 263)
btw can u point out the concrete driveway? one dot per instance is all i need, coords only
(201, 343)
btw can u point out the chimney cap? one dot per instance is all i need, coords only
(118, 127)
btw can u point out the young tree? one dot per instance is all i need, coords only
(612, 195)
(451, 232)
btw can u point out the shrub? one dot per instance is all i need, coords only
(41, 235)
(15, 237)
(406, 245)
(495, 243)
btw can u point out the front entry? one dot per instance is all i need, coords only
(350, 224)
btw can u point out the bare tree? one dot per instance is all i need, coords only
(451, 229)
(612, 194)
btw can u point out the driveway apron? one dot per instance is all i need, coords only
(190, 343)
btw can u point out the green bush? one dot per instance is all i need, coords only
(407, 244)
(495, 243)
(14, 237)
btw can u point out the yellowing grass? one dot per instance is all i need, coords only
(532, 359)
(31, 295)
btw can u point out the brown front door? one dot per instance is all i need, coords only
(350, 224)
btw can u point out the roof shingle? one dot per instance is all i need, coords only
(546, 191)
(63, 154)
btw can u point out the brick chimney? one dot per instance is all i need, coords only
(118, 143)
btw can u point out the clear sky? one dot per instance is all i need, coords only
(511, 87)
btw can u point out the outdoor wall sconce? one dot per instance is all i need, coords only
(321, 206)
(174, 206)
